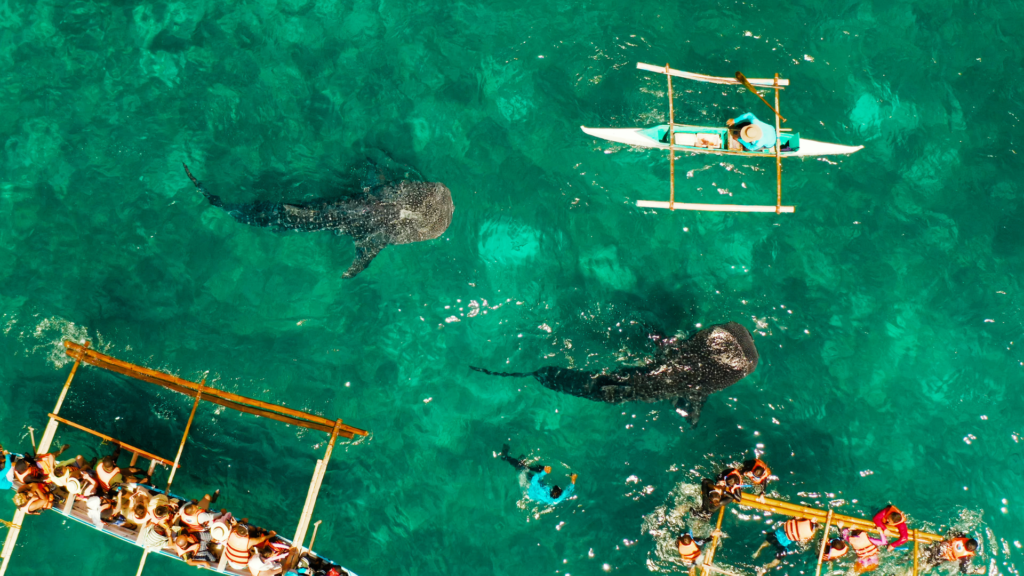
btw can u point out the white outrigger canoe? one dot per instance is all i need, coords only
(718, 140)
(707, 140)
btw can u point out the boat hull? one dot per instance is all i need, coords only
(640, 137)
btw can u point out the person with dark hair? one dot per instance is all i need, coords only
(731, 480)
(795, 531)
(240, 543)
(835, 550)
(960, 549)
(890, 518)
(712, 497)
(690, 549)
(193, 548)
(757, 473)
(33, 498)
(539, 491)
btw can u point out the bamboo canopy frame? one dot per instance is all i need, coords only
(776, 84)
(198, 391)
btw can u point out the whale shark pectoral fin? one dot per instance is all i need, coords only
(367, 249)
(689, 408)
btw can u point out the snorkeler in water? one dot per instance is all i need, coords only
(539, 491)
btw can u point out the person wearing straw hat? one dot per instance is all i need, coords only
(753, 134)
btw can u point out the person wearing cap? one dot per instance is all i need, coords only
(960, 549)
(754, 135)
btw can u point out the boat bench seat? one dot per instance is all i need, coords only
(698, 140)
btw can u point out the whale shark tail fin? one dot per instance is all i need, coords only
(214, 200)
(689, 408)
(505, 374)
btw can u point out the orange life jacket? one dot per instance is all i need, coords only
(799, 529)
(885, 517)
(737, 488)
(47, 462)
(762, 479)
(191, 521)
(956, 549)
(105, 477)
(237, 548)
(690, 552)
(32, 471)
(832, 553)
(862, 545)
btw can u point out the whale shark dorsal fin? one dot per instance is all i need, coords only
(367, 248)
(296, 210)
(689, 408)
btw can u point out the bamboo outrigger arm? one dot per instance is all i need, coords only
(124, 445)
(226, 399)
(800, 511)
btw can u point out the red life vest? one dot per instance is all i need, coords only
(690, 552)
(956, 549)
(764, 477)
(105, 477)
(799, 530)
(237, 549)
(862, 545)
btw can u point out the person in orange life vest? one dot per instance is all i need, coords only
(784, 539)
(960, 549)
(864, 546)
(33, 498)
(193, 548)
(36, 468)
(891, 518)
(196, 516)
(835, 550)
(239, 545)
(690, 549)
(732, 480)
(757, 474)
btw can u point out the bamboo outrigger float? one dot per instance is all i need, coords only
(718, 140)
(824, 517)
(76, 510)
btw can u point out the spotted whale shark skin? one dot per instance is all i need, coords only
(685, 371)
(383, 213)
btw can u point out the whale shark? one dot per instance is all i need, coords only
(382, 213)
(685, 371)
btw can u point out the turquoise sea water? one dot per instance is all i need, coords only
(887, 310)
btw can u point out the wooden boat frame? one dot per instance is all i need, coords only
(819, 516)
(776, 84)
(75, 509)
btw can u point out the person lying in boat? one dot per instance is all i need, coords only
(538, 491)
(33, 498)
(891, 518)
(960, 549)
(194, 548)
(750, 132)
(785, 539)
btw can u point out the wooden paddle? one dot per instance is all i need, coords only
(743, 79)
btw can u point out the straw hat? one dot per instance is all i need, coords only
(219, 531)
(74, 486)
(751, 133)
